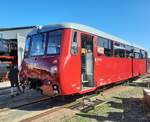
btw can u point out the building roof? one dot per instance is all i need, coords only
(83, 28)
(17, 28)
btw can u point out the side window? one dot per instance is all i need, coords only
(143, 54)
(146, 55)
(4, 46)
(119, 50)
(13, 48)
(137, 53)
(74, 44)
(129, 51)
(104, 46)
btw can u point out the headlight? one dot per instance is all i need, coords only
(53, 70)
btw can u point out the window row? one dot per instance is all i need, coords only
(110, 48)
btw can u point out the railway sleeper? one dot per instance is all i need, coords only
(90, 105)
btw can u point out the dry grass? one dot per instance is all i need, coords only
(125, 106)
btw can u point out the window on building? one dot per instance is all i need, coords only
(129, 51)
(4, 47)
(105, 46)
(74, 44)
(119, 50)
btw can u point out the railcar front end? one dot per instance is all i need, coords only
(40, 67)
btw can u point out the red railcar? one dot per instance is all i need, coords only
(71, 58)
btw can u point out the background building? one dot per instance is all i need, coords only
(18, 35)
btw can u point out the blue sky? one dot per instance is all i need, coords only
(128, 19)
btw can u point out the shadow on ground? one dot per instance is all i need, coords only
(134, 110)
(25, 101)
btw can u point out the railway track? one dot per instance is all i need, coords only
(75, 105)
(80, 104)
(37, 101)
(3, 88)
(27, 104)
(83, 104)
(4, 91)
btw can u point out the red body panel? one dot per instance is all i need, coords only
(70, 65)
(39, 67)
(109, 70)
(139, 67)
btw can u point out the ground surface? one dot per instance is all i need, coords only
(125, 106)
(122, 104)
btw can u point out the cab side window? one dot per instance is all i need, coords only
(74, 44)
(104, 46)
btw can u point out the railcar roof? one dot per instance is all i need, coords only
(83, 28)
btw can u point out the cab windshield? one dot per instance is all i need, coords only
(37, 45)
(43, 43)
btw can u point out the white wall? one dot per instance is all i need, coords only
(12, 34)
(21, 47)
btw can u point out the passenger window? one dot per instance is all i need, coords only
(74, 45)
(143, 54)
(119, 50)
(137, 53)
(104, 46)
(129, 51)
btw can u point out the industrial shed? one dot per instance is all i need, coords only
(17, 34)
